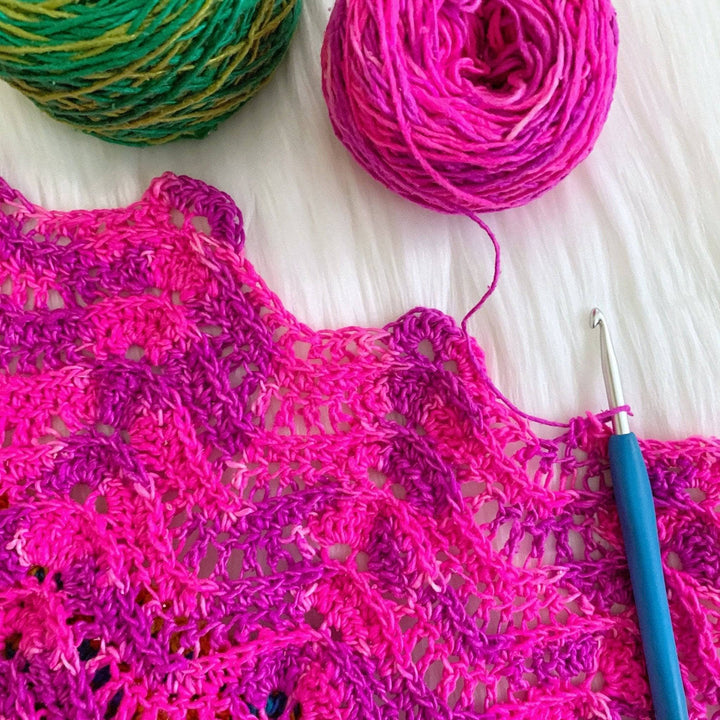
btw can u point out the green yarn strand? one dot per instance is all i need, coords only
(140, 72)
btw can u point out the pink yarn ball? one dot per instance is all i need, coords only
(469, 106)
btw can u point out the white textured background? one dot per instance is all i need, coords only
(635, 229)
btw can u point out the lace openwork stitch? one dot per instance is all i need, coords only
(209, 510)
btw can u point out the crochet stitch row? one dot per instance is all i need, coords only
(209, 510)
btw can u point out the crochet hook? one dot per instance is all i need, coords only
(633, 496)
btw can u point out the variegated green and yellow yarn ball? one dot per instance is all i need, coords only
(143, 72)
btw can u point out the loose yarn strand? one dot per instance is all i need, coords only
(470, 341)
(496, 271)
(480, 367)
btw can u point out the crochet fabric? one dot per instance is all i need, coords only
(209, 510)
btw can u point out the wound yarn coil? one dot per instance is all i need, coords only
(469, 106)
(143, 71)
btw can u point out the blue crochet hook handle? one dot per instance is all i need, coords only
(636, 510)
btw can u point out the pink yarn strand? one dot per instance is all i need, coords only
(496, 271)
(470, 341)
(606, 417)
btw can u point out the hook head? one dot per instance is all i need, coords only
(596, 318)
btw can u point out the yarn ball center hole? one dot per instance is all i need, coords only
(503, 49)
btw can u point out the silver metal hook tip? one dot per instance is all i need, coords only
(610, 373)
(596, 317)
